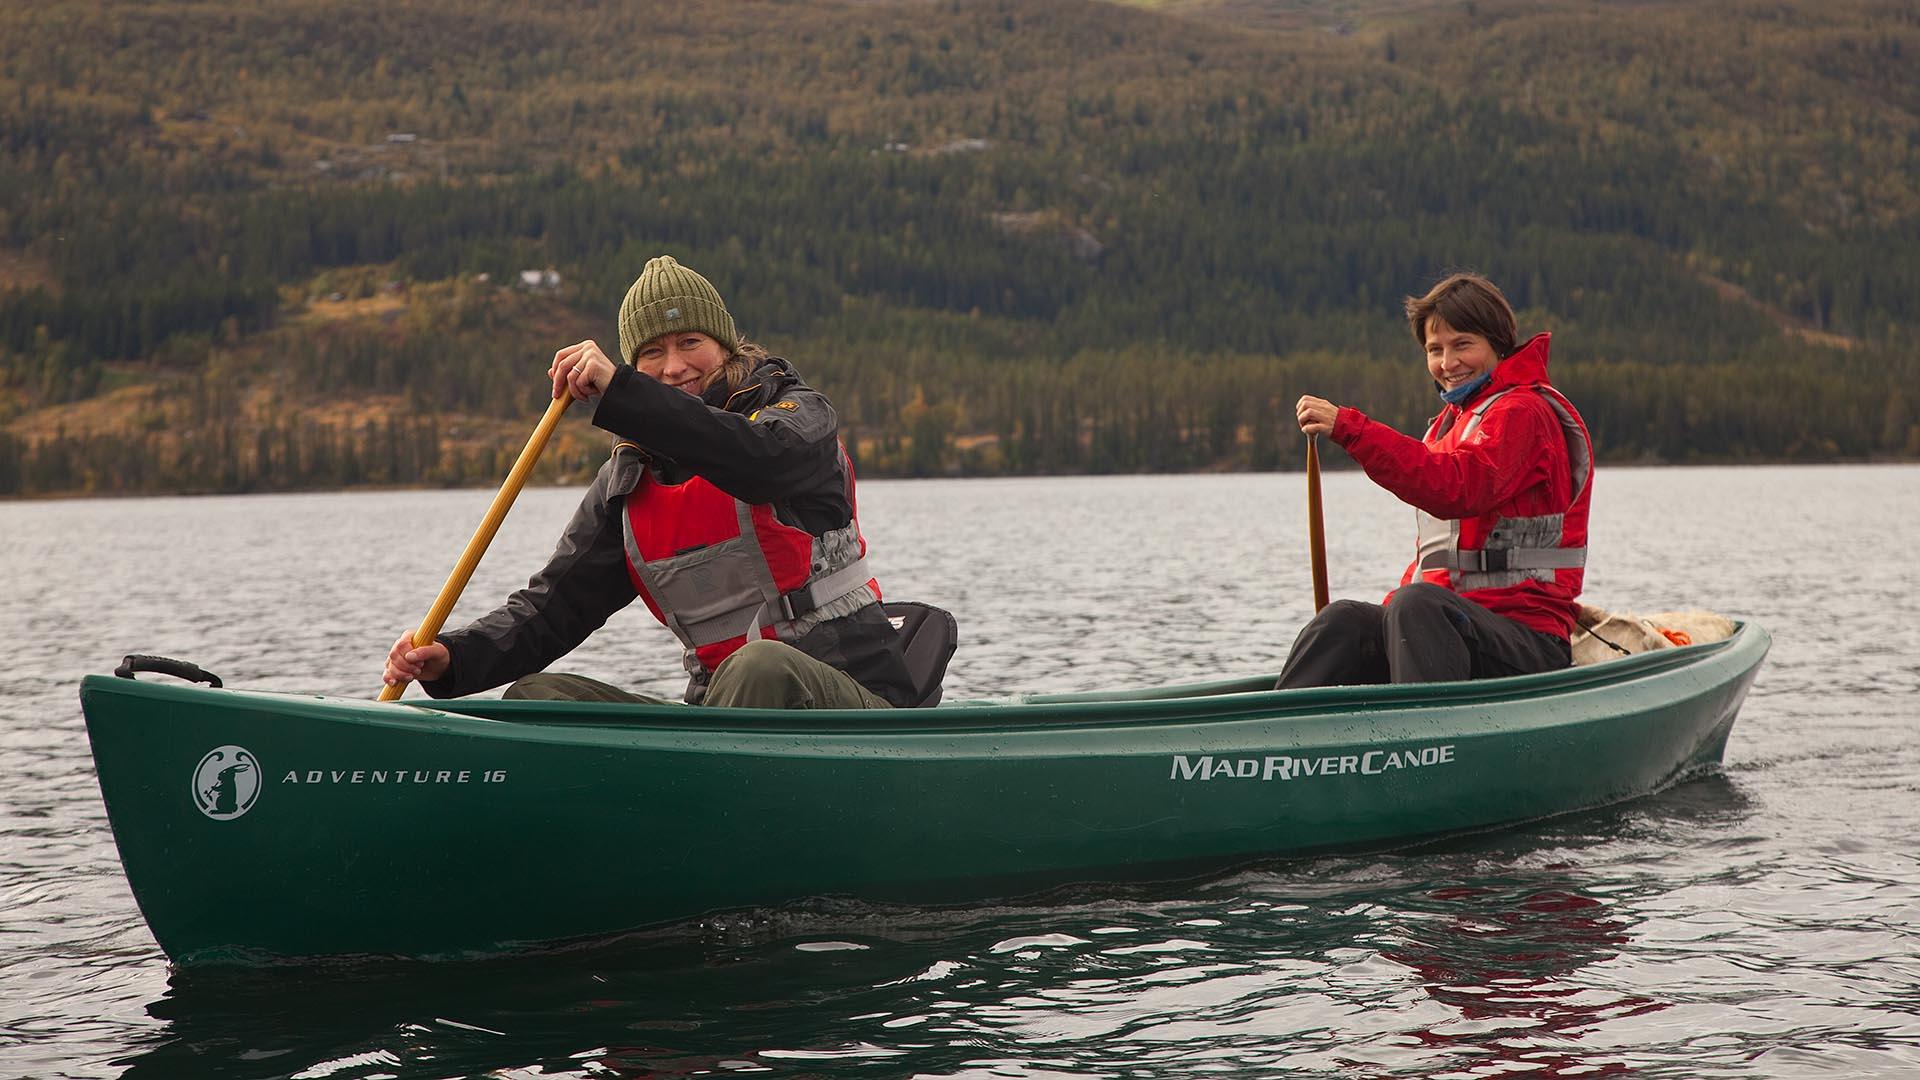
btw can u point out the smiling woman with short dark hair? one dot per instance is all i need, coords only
(1501, 485)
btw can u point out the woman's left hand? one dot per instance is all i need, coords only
(581, 370)
(1316, 415)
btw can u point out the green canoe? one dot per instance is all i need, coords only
(259, 826)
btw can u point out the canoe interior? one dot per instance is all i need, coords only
(1194, 701)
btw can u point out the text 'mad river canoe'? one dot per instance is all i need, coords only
(263, 826)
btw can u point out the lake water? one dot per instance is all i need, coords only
(1761, 922)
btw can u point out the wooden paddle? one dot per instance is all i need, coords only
(1316, 525)
(482, 536)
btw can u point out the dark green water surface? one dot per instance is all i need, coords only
(1764, 921)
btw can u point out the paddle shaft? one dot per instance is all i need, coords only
(482, 536)
(1316, 525)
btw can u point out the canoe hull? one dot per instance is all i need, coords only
(258, 826)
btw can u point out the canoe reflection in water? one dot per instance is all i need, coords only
(1500, 959)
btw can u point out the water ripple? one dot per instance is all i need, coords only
(1765, 921)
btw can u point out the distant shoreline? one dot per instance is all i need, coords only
(1330, 465)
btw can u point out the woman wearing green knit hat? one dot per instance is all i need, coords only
(727, 506)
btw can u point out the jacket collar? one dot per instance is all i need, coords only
(772, 378)
(1526, 366)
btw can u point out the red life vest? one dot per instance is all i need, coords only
(1513, 563)
(718, 572)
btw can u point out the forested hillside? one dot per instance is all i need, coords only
(268, 246)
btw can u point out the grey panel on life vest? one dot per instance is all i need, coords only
(706, 586)
(1579, 449)
(1437, 539)
(1521, 548)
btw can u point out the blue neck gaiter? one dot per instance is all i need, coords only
(1459, 394)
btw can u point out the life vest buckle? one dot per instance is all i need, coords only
(790, 606)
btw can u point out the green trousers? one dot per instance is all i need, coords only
(761, 674)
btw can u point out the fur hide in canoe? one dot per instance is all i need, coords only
(1604, 635)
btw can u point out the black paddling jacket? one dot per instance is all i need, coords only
(787, 458)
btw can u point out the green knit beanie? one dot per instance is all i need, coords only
(668, 297)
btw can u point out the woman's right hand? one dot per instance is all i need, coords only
(582, 370)
(1316, 415)
(405, 662)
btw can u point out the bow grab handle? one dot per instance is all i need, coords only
(166, 665)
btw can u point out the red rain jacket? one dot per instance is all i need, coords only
(1516, 465)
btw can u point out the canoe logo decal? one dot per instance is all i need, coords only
(1288, 767)
(226, 782)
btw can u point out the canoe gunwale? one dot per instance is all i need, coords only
(1199, 701)
(1216, 700)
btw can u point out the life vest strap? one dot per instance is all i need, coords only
(1498, 560)
(825, 589)
(787, 608)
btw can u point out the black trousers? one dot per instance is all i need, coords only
(1428, 634)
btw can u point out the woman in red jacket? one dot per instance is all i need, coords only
(1501, 486)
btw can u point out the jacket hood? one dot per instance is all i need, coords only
(1527, 365)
